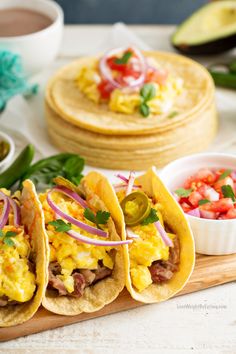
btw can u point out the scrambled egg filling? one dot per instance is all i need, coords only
(68, 252)
(125, 101)
(146, 249)
(17, 282)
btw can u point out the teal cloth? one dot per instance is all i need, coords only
(12, 78)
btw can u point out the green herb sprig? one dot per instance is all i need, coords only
(147, 92)
(100, 218)
(225, 174)
(60, 225)
(183, 193)
(7, 237)
(124, 59)
(151, 218)
(228, 192)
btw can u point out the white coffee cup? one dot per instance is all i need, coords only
(40, 48)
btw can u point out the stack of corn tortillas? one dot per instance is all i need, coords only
(120, 141)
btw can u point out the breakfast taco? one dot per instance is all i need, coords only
(22, 255)
(86, 265)
(160, 259)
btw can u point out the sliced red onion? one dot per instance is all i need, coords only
(15, 207)
(107, 74)
(130, 183)
(95, 242)
(92, 230)
(211, 194)
(207, 214)
(130, 233)
(69, 193)
(16, 210)
(123, 178)
(5, 212)
(194, 212)
(167, 241)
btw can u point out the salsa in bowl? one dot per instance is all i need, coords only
(205, 187)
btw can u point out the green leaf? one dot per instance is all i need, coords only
(124, 59)
(8, 241)
(102, 217)
(89, 215)
(144, 110)
(67, 165)
(1, 233)
(228, 192)
(76, 180)
(172, 114)
(152, 217)
(203, 201)
(225, 174)
(10, 234)
(148, 91)
(181, 192)
(60, 225)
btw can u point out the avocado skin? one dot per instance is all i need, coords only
(217, 46)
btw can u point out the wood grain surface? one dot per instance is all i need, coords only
(209, 271)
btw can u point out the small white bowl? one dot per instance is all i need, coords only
(212, 237)
(37, 49)
(7, 160)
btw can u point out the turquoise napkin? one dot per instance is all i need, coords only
(12, 78)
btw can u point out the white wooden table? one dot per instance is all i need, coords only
(203, 322)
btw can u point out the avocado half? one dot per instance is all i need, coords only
(210, 30)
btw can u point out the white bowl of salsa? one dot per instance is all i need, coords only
(207, 198)
(32, 29)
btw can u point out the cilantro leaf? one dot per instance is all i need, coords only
(228, 192)
(226, 173)
(89, 215)
(172, 114)
(182, 192)
(124, 59)
(148, 91)
(203, 201)
(151, 218)
(8, 241)
(144, 110)
(1, 233)
(60, 225)
(100, 218)
(10, 234)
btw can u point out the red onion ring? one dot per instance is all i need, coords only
(15, 207)
(5, 212)
(95, 242)
(69, 193)
(165, 238)
(123, 178)
(92, 230)
(131, 234)
(106, 72)
(130, 183)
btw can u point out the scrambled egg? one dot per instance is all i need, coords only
(125, 101)
(68, 252)
(146, 249)
(16, 280)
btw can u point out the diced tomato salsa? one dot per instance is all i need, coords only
(209, 194)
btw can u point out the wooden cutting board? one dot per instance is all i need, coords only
(209, 271)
